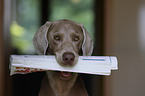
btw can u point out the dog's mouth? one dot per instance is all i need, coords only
(67, 59)
(64, 75)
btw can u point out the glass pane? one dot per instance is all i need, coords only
(80, 11)
(24, 24)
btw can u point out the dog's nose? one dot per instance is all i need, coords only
(68, 58)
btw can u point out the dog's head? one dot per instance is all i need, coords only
(65, 39)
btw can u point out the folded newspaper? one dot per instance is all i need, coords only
(98, 65)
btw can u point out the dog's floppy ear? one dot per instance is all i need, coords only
(87, 46)
(40, 40)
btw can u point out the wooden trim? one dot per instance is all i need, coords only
(1, 49)
(99, 27)
(97, 81)
(107, 44)
(45, 10)
(107, 22)
(6, 47)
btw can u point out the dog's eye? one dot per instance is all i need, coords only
(76, 38)
(57, 37)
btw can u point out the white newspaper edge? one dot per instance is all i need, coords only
(18, 58)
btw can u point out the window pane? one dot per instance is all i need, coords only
(80, 11)
(24, 24)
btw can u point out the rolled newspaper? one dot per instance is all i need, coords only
(98, 65)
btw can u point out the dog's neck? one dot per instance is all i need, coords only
(61, 87)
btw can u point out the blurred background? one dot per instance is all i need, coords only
(116, 26)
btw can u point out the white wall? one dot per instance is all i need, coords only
(127, 42)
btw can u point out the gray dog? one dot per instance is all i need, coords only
(66, 40)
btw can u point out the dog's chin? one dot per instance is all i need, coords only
(65, 75)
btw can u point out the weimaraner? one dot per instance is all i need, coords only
(66, 40)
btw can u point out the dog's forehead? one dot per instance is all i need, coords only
(66, 26)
